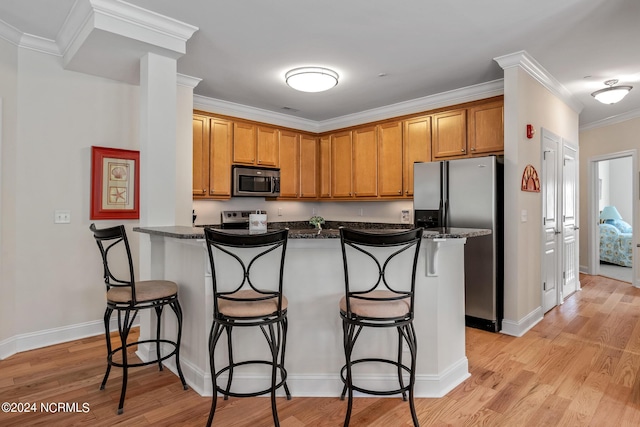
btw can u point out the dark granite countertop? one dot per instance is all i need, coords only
(185, 232)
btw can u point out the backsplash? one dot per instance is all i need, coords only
(208, 211)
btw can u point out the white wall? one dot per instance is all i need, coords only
(60, 115)
(9, 97)
(527, 102)
(620, 176)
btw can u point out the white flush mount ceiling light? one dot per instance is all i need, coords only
(311, 79)
(612, 94)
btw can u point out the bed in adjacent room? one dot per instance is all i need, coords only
(616, 240)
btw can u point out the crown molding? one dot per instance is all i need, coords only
(525, 61)
(431, 102)
(227, 108)
(188, 81)
(40, 44)
(629, 115)
(10, 33)
(444, 99)
(123, 19)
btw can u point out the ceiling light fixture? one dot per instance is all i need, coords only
(311, 79)
(612, 94)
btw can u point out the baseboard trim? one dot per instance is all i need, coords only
(316, 385)
(47, 337)
(519, 328)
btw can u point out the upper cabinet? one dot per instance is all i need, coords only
(289, 164)
(367, 162)
(200, 156)
(486, 128)
(477, 130)
(255, 145)
(390, 155)
(417, 148)
(309, 163)
(341, 165)
(212, 140)
(450, 134)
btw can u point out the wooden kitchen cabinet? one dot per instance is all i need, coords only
(449, 134)
(267, 146)
(309, 163)
(365, 162)
(255, 145)
(200, 183)
(417, 148)
(212, 139)
(220, 147)
(341, 165)
(244, 143)
(486, 128)
(390, 165)
(289, 164)
(324, 148)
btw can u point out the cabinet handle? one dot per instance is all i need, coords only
(400, 192)
(473, 149)
(259, 161)
(462, 150)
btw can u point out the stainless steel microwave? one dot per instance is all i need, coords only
(259, 182)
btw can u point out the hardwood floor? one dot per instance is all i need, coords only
(578, 367)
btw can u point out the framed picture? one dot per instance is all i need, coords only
(115, 183)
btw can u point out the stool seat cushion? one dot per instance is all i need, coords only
(380, 309)
(147, 290)
(249, 309)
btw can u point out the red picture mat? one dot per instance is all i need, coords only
(115, 183)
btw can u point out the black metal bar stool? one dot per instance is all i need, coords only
(242, 303)
(386, 302)
(127, 297)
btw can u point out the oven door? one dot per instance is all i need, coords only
(257, 182)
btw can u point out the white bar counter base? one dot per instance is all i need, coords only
(314, 284)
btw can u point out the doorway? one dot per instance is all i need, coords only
(612, 214)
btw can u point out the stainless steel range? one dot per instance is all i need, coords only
(235, 219)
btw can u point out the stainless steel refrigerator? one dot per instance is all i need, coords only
(469, 193)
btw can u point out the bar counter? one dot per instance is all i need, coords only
(314, 284)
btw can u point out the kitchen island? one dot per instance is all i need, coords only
(313, 284)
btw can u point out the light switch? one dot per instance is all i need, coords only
(523, 215)
(62, 217)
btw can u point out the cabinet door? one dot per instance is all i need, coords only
(289, 164)
(220, 158)
(417, 148)
(244, 143)
(341, 166)
(308, 167)
(365, 162)
(486, 128)
(450, 134)
(390, 159)
(200, 156)
(325, 166)
(267, 146)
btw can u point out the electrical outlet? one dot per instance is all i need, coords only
(314, 211)
(62, 217)
(405, 216)
(361, 212)
(279, 211)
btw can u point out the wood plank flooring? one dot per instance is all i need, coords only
(578, 367)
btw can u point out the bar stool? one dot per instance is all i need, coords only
(127, 297)
(379, 300)
(240, 302)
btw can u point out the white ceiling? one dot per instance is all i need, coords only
(423, 47)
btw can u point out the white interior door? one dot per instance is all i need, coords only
(550, 221)
(570, 269)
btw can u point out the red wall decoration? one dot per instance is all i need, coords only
(530, 180)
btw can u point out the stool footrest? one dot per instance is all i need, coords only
(283, 378)
(150, 362)
(404, 389)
